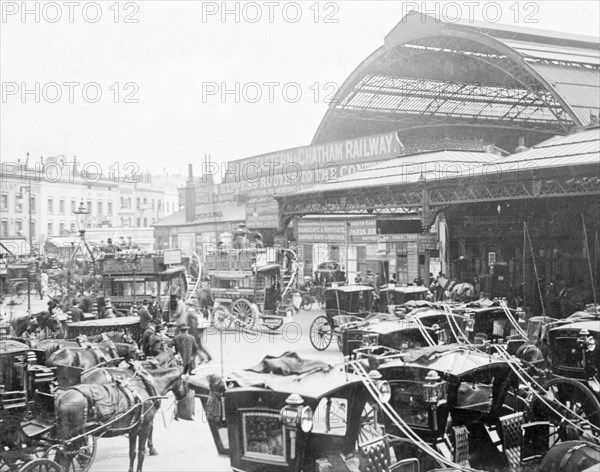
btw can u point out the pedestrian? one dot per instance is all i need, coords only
(419, 281)
(144, 314)
(393, 279)
(155, 310)
(185, 345)
(43, 285)
(76, 312)
(179, 316)
(146, 337)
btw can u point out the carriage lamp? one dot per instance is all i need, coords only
(295, 415)
(470, 324)
(383, 386)
(440, 334)
(370, 339)
(435, 393)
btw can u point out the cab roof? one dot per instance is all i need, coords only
(452, 359)
(351, 288)
(593, 326)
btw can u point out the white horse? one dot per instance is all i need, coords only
(450, 290)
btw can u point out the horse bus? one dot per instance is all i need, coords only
(128, 278)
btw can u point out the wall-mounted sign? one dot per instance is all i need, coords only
(172, 256)
(262, 214)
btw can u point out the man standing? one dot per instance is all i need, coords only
(185, 345)
(179, 316)
(155, 310)
(76, 312)
(145, 316)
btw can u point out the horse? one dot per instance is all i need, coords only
(92, 356)
(571, 456)
(43, 320)
(163, 360)
(205, 300)
(106, 403)
(462, 292)
(441, 288)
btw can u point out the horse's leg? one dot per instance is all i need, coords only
(151, 448)
(132, 443)
(143, 437)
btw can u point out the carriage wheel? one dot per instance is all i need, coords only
(307, 303)
(41, 465)
(321, 333)
(574, 397)
(221, 318)
(369, 426)
(81, 460)
(242, 313)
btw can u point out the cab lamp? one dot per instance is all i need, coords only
(296, 414)
(470, 324)
(384, 388)
(370, 339)
(435, 388)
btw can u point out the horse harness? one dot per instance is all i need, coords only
(569, 454)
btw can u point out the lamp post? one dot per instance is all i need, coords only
(81, 215)
(20, 197)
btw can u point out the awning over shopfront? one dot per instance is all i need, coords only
(14, 247)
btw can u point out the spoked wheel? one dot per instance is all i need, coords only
(81, 459)
(42, 465)
(241, 311)
(221, 318)
(307, 302)
(576, 411)
(321, 333)
(369, 427)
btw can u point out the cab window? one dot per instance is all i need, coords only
(331, 417)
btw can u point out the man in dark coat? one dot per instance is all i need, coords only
(145, 316)
(185, 345)
(76, 312)
(155, 310)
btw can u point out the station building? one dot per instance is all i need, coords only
(471, 111)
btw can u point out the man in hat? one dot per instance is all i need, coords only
(185, 345)
(152, 342)
(109, 311)
(144, 314)
(155, 310)
(76, 312)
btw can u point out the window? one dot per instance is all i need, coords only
(72, 226)
(145, 222)
(4, 202)
(139, 222)
(50, 205)
(18, 204)
(50, 229)
(109, 210)
(100, 208)
(61, 206)
(4, 228)
(18, 226)
(152, 204)
(61, 228)
(138, 203)
(159, 205)
(89, 206)
(32, 227)
(73, 206)
(32, 203)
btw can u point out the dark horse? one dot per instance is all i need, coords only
(88, 357)
(125, 402)
(43, 320)
(571, 456)
(107, 375)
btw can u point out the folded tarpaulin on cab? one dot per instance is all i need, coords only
(288, 363)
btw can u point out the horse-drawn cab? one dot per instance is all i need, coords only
(296, 415)
(326, 274)
(461, 402)
(494, 323)
(420, 328)
(343, 304)
(392, 297)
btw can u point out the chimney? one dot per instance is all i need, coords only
(521, 147)
(27, 161)
(190, 174)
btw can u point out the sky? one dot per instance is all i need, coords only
(162, 83)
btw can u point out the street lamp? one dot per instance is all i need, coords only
(81, 215)
(20, 197)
